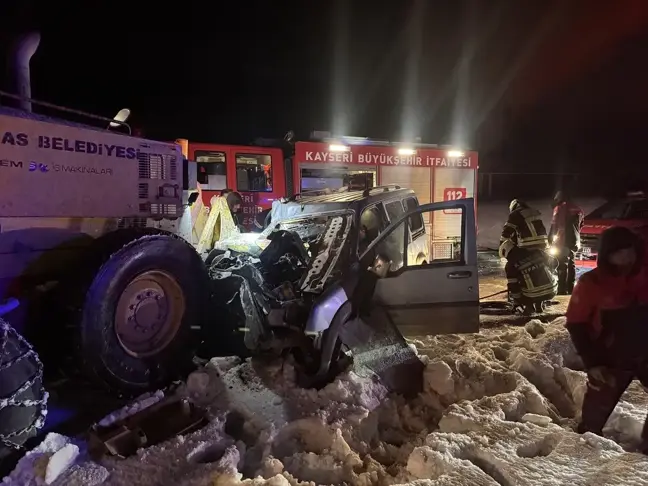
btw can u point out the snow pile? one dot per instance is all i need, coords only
(498, 408)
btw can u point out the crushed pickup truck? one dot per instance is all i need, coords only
(344, 277)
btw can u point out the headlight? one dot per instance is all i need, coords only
(553, 251)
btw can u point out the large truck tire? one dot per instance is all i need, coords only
(23, 400)
(141, 312)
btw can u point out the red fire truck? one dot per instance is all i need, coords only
(263, 174)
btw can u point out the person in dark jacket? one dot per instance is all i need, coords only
(564, 237)
(607, 321)
(523, 243)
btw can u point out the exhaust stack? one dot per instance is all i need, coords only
(20, 56)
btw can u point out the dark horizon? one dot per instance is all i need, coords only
(542, 81)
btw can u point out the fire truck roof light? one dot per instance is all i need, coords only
(406, 151)
(334, 147)
(455, 153)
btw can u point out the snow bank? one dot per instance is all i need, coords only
(498, 408)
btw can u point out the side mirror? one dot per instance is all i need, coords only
(120, 119)
(381, 266)
(193, 197)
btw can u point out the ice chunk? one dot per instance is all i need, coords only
(60, 461)
(541, 420)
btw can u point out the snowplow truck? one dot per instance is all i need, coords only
(90, 248)
(93, 272)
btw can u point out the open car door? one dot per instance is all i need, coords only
(438, 295)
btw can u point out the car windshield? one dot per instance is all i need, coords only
(610, 210)
(638, 209)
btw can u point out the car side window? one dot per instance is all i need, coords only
(392, 245)
(416, 221)
(445, 246)
(394, 210)
(371, 224)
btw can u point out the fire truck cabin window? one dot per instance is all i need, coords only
(212, 169)
(254, 172)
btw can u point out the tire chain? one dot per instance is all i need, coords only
(11, 401)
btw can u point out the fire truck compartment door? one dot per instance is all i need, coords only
(439, 296)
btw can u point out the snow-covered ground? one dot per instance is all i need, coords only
(491, 216)
(498, 409)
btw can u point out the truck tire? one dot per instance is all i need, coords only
(139, 314)
(21, 383)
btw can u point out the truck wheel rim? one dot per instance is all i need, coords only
(149, 313)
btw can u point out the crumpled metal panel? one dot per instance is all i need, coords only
(331, 247)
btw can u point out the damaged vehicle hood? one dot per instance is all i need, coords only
(293, 261)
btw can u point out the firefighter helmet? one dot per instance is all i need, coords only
(516, 204)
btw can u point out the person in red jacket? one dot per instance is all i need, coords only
(564, 236)
(607, 319)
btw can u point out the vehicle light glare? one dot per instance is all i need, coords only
(406, 151)
(553, 251)
(338, 148)
(455, 153)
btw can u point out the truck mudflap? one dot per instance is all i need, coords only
(378, 347)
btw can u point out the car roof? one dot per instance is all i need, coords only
(371, 195)
(340, 201)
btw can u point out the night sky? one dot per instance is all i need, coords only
(565, 78)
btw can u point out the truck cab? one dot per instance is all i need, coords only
(255, 172)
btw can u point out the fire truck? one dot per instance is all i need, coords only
(266, 173)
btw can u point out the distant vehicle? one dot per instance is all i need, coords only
(630, 211)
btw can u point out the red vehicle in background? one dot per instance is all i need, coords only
(257, 173)
(630, 211)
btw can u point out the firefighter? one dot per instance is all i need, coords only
(606, 319)
(531, 277)
(564, 237)
(523, 234)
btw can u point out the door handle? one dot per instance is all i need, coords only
(464, 274)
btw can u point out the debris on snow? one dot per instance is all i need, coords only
(139, 404)
(497, 408)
